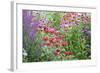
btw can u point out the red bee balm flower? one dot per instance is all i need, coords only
(48, 44)
(45, 38)
(64, 43)
(52, 40)
(57, 39)
(46, 30)
(57, 52)
(68, 53)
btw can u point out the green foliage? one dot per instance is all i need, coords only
(55, 18)
(77, 42)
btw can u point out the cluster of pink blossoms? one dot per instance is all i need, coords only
(73, 18)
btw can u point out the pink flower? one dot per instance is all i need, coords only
(46, 29)
(47, 44)
(58, 39)
(64, 43)
(64, 25)
(52, 40)
(52, 30)
(45, 38)
(68, 53)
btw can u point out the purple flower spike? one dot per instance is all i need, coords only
(31, 34)
(34, 24)
(27, 17)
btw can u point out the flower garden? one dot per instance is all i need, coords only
(56, 36)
